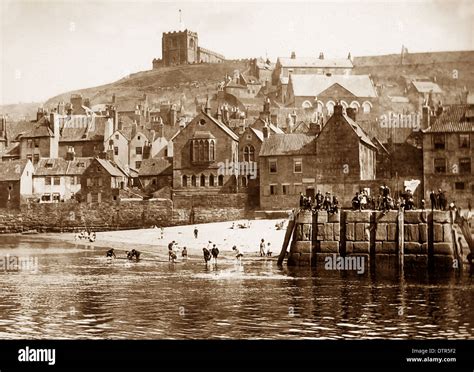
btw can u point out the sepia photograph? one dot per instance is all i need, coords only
(237, 170)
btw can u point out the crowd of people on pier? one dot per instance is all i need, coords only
(320, 202)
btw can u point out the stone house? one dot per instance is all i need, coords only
(58, 179)
(285, 66)
(16, 182)
(156, 174)
(448, 155)
(204, 153)
(101, 182)
(41, 141)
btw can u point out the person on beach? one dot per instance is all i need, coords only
(269, 250)
(207, 255)
(171, 255)
(196, 232)
(215, 253)
(110, 253)
(238, 255)
(184, 253)
(262, 248)
(133, 254)
(162, 232)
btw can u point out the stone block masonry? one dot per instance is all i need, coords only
(64, 217)
(370, 233)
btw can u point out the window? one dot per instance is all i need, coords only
(465, 165)
(193, 180)
(203, 150)
(212, 151)
(138, 164)
(29, 156)
(57, 181)
(138, 150)
(220, 180)
(116, 150)
(36, 158)
(272, 189)
(89, 182)
(203, 180)
(464, 141)
(56, 197)
(366, 107)
(46, 197)
(184, 181)
(285, 189)
(211, 180)
(138, 138)
(29, 143)
(100, 182)
(439, 141)
(297, 166)
(440, 165)
(36, 141)
(202, 122)
(249, 153)
(249, 137)
(459, 185)
(272, 166)
(116, 136)
(244, 181)
(47, 181)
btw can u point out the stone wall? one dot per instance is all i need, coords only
(371, 233)
(184, 209)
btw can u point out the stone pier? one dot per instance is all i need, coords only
(416, 235)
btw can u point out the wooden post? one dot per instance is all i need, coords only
(401, 237)
(288, 234)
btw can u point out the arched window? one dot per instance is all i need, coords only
(355, 105)
(306, 104)
(195, 151)
(203, 180)
(244, 181)
(201, 150)
(211, 180)
(212, 151)
(206, 150)
(366, 107)
(193, 180)
(330, 107)
(184, 181)
(320, 107)
(221, 180)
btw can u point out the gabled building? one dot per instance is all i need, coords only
(200, 152)
(448, 155)
(16, 182)
(41, 141)
(102, 181)
(156, 174)
(321, 92)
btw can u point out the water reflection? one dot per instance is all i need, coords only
(78, 294)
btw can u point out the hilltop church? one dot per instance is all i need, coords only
(181, 48)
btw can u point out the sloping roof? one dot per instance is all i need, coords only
(13, 150)
(78, 166)
(15, 129)
(287, 144)
(313, 84)
(51, 167)
(316, 62)
(110, 168)
(455, 118)
(12, 170)
(155, 166)
(275, 129)
(83, 128)
(40, 129)
(359, 131)
(426, 87)
(224, 127)
(258, 133)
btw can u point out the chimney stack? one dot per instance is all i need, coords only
(70, 154)
(425, 117)
(113, 98)
(219, 113)
(321, 55)
(134, 129)
(161, 128)
(337, 109)
(266, 131)
(207, 108)
(293, 55)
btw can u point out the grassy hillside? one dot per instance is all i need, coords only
(167, 83)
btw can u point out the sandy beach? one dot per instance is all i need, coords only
(222, 234)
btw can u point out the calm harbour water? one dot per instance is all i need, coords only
(77, 293)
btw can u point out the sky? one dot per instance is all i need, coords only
(51, 47)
